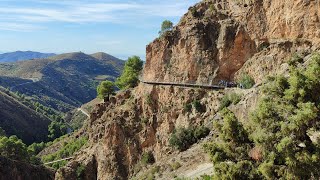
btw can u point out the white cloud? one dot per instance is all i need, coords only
(18, 27)
(82, 11)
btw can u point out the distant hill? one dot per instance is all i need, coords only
(62, 82)
(23, 55)
(18, 119)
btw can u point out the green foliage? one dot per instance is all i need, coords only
(56, 130)
(295, 60)
(230, 151)
(280, 128)
(130, 74)
(67, 150)
(183, 138)
(229, 99)
(194, 12)
(212, 8)
(188, 107)
(150, 175)
(195, 104)
(166, 26)
(35, 148)
(198, 106)
(206, 177)
(105, 88)
(246, 81)
(149, 99)
(80, 170)
(175, 165)
(147, 158)
(13, 148)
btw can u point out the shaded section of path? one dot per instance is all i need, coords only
(191, 85)
(204, 86)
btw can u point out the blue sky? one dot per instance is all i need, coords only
(121, 28)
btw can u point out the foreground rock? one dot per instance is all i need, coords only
(10, 169)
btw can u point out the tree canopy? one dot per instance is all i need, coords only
(105, 88)
(56, 129)
(130, 74)
(166, 26)
(13, 148)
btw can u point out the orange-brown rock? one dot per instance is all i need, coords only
(216, 39)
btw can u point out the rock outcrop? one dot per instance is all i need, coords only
(216, 40)
(10, 169)
(216, 37)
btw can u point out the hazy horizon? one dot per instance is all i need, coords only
(120, 28)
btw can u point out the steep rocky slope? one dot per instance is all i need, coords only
(10, 169)
(62, 82)
(216, 40)
(17, 119)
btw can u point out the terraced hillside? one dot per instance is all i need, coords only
(62, 82)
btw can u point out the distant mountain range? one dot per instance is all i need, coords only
(61, 82)
(23, 55)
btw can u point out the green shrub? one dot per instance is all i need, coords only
(165, 27)
(80, 170)
(67, 150)
(187, 107)
(147, 158)
(35, 148)
(56, 130)
(275, 142)
(229, 99)
(183, 138)
(246, 81)
(295, 59)
(175, 165)
(198, 106)
(194, 12)
(150, 175)
(212, 8)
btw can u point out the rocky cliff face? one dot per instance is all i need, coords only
(216, 39)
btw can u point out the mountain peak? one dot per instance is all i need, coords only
(103, 56)
(72, 56)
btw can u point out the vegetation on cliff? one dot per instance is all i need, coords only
(105, 89)
(13, 148)
(130, 75)
(277, 140)
(68, 149)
